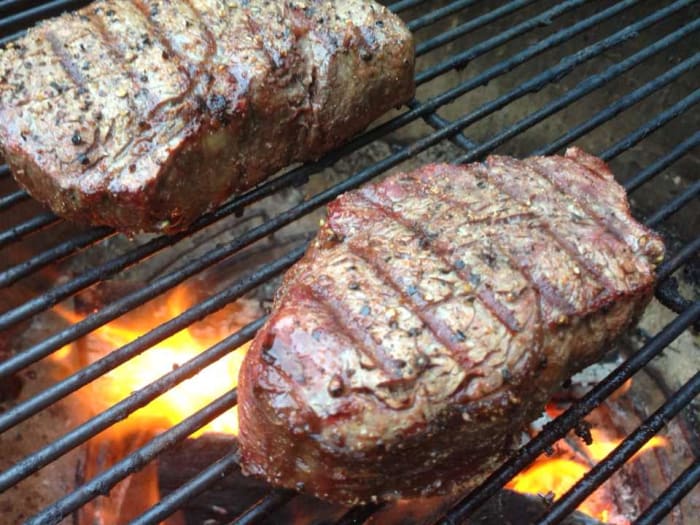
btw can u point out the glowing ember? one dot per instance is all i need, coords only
(555, 475)
(182, 400)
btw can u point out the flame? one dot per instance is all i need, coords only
(182, 400)
(556, 475)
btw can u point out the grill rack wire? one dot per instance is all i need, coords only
(17, 15)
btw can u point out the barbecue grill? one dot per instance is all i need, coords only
(619, 75)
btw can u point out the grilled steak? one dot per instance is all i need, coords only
(143, 115)
(432, 318)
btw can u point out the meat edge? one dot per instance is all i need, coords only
(198, 177)
(273, 450)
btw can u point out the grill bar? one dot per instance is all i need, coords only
(590, 84)
(110, 416)
(662, 118)
(439, 14)
(101, 484)
(613, 461)
(36, 223)
(674, 205)
(462, 59)
(267, 505)
(671, 496)
(13, 198)
(673, 263)
(437, 123)
(358, 515)
(398, 7)
(31, 265)
(558, 428)
(22, 19)
(662, 163)
(474, 23)
(620, 105)
(170, 504)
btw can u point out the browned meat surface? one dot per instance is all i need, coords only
(143, 115)
(431, 320)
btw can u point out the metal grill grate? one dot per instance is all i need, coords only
(552, 35)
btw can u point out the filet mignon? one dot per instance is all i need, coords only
(143, 115)
(432, 318)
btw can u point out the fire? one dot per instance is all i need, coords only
(557, 474)
(182, 400)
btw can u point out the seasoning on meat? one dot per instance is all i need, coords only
(488, 286)
(144, 115)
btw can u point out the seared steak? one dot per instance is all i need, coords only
(432, 318)
(143, 115)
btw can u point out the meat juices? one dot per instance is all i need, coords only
(144, 115)
(432, 318)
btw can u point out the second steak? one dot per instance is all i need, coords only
(433, 317)
(144, 115)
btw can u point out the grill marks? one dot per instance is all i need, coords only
(453, 315)
(473, 256)
(607, 202)
(69, 67)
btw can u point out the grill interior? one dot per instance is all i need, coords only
(521, 77)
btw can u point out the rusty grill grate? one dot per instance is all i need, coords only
(555, 40)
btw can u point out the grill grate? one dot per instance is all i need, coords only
(561, 24)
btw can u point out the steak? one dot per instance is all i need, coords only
(144, 115)
(432, 318)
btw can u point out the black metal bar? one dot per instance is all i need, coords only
(89, 373)
(667, 289)
(469, 26)
(27, 408)
(662, 163)
(671, 496)
(558, 428)
(27, 267)
(103, 482)
(195, 486)
(124, 408)
(585, 87)
(667, 293)
(397, 7)
(4, 170)
(13, 198)
(360, 514)
(30, 16)
(437, 122)
(620, 105)
(460, 60)
(265, 507)
(11, 38)
(673, 263)
(662, 118)
(438, 14)
(36, 223)
(674, 205)
(624, 451)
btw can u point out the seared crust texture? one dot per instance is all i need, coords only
(432, 318)
(144, 115)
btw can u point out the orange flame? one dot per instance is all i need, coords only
(558, 474)
(182, 400)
